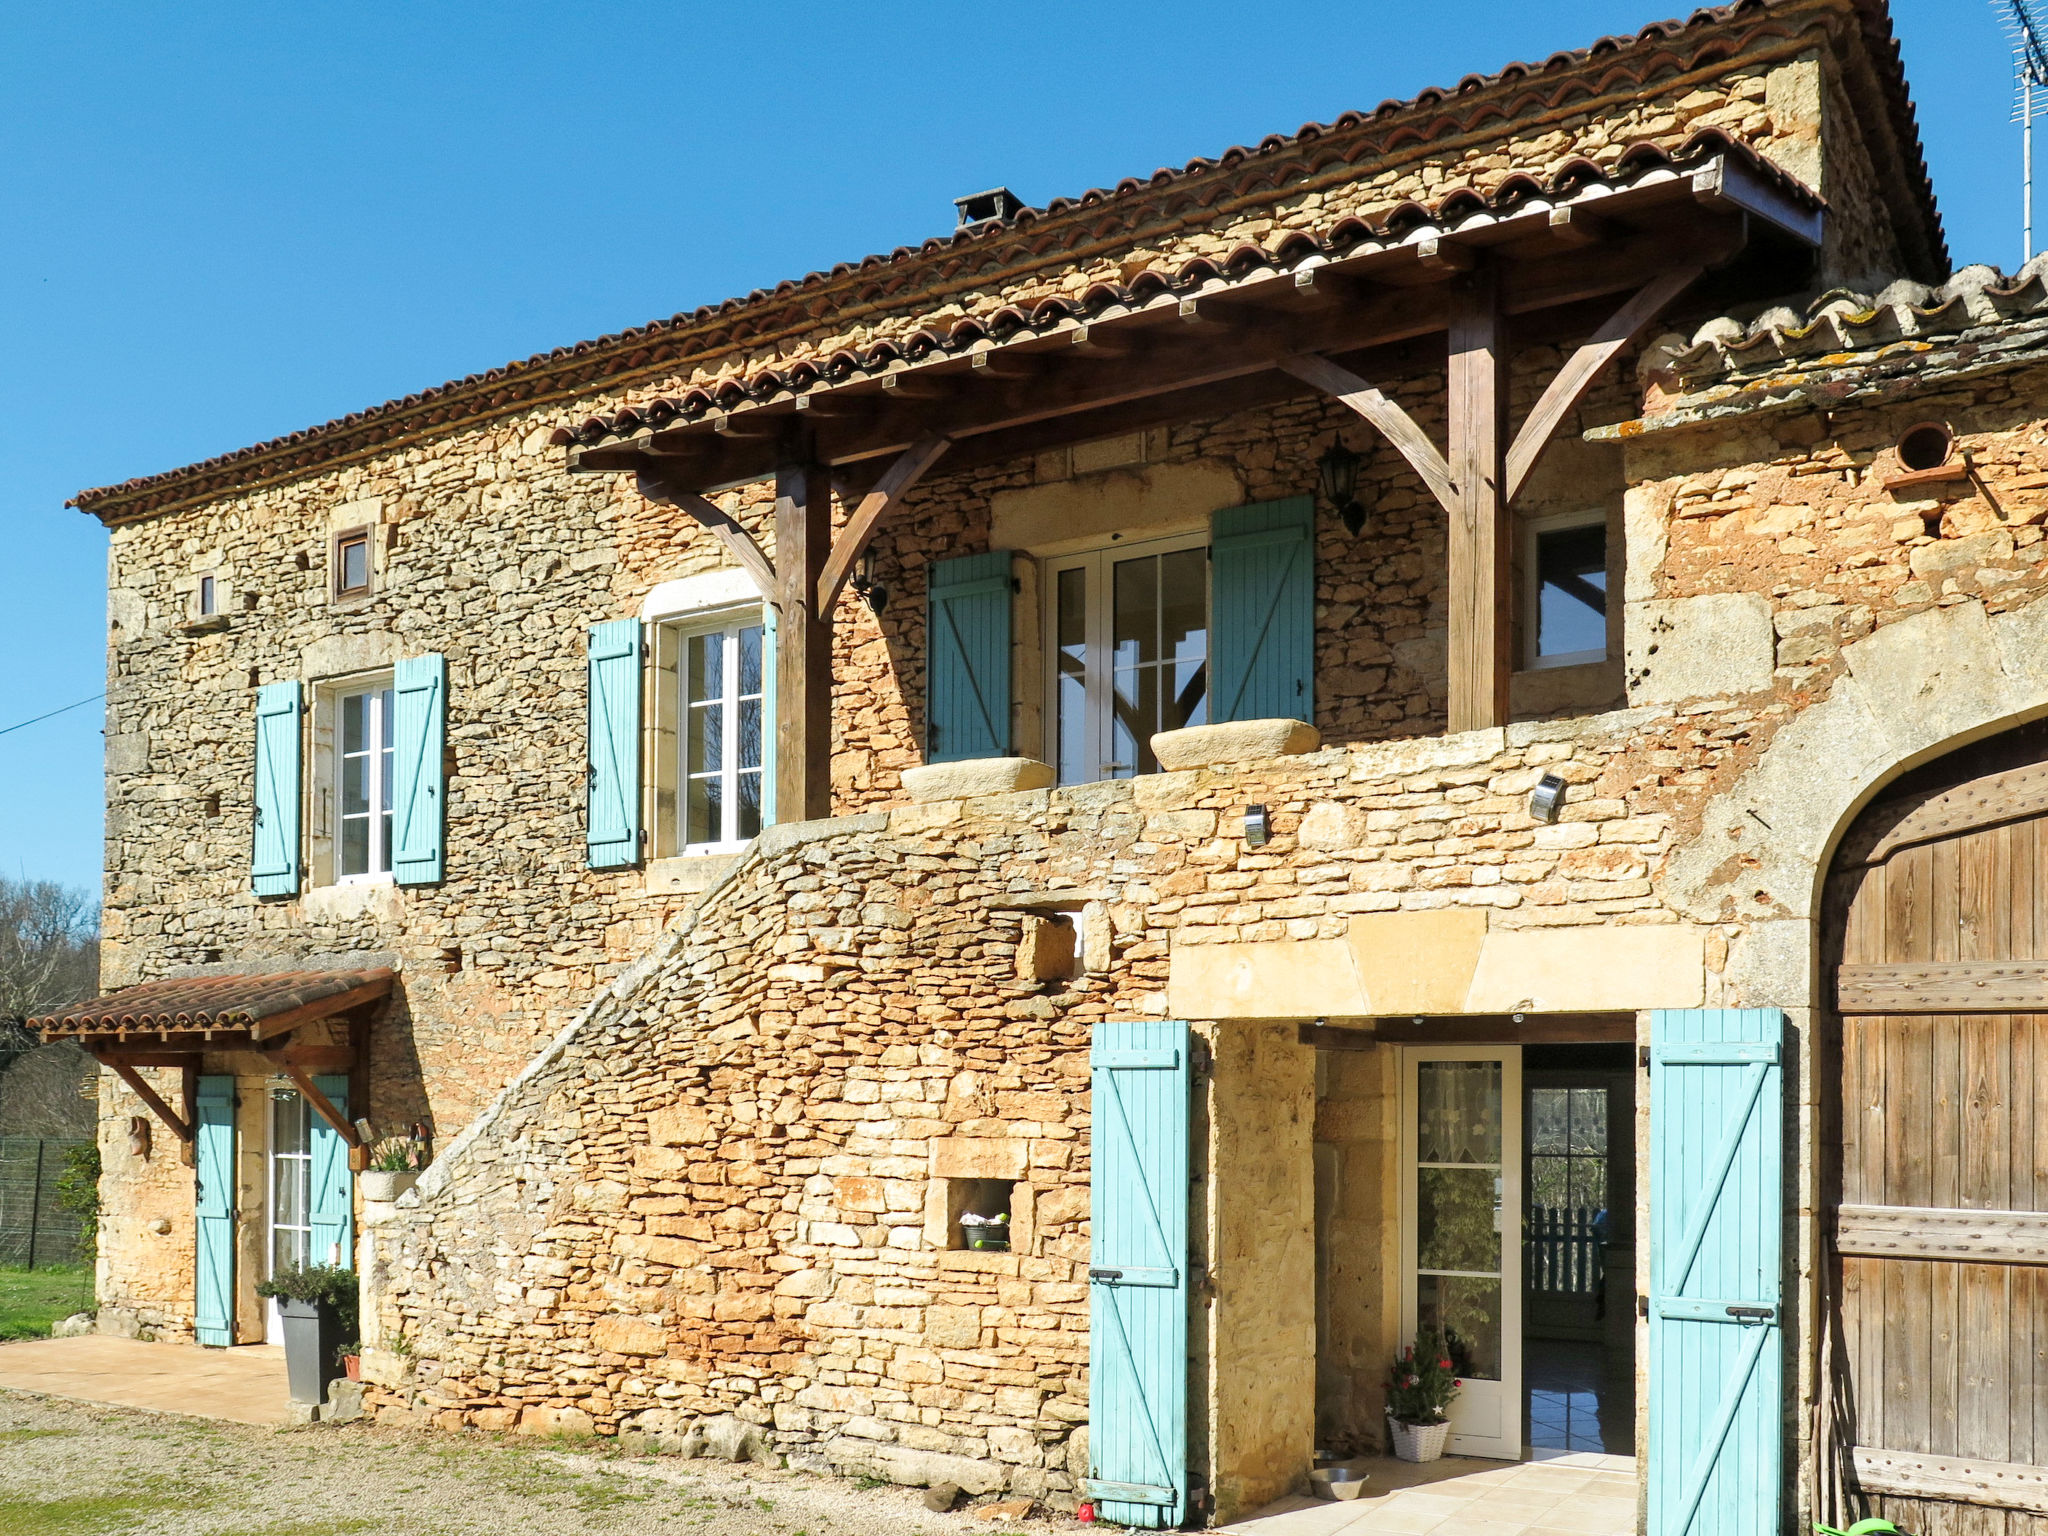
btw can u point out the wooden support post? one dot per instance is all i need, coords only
(188, 1083)
(803, 643)
(1480, 621)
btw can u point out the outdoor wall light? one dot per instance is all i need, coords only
(1258, 827)
(1337, 476)
(869, 590)
(1546, 801)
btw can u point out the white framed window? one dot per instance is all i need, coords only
(1127, 653)
(719, 735)
(1565, 590)
(363, 801)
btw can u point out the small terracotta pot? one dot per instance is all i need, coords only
(352, 1365)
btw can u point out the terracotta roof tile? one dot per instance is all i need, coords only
(209, 1002)
(568, 371)
(1461, 208)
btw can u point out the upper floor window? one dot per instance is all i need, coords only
(363, 762)
(1567, 607)
(1129, 626)
(207, 599)
(352, 563)
(721, 711)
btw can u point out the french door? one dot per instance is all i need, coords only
(1461, 1230)
(291, 1191)
(1129, 653)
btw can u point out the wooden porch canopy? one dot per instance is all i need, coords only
(171, 1023)
(1329, 313)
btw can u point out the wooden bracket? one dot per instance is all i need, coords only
(888, 493)
(1569, 387)
(1395, 424)
(323, 1106)
(722, 525)
(148, 1095)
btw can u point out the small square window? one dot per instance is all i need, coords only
(352, 563)
(1567, 619)
(206, 597)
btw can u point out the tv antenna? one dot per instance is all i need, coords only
(2027, 26)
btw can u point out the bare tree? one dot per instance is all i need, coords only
(49, 956)
(49, 947)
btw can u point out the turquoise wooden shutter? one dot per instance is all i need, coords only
(420, 686)
(1138, 1274)
(213, 1159)
(1262, 622)
(967, 662)
(769, 718)
(1717, 1211)
(275, 861)
(614, 782)
(331, 1202)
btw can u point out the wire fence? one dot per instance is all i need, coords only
(35, 1232)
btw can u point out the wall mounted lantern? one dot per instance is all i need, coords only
(1337, 476)
(867, 588)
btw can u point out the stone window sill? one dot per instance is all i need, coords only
(689, 874)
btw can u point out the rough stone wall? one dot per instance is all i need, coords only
(1357, 1273)
(720, 1195)
(708, 1197)
(1794, 514)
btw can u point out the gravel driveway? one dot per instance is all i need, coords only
(69, 1469)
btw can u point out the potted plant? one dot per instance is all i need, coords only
(1419, 1392)
(352, 1360)
(318, 1303)
(393, 1169)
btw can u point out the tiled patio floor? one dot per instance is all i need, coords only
(245, 1384)
(1562, 1495)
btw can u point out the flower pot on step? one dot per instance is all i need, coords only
(1417, 1442)
(385, 1185)
(312, 1347)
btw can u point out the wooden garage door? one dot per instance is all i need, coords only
(1939, 922)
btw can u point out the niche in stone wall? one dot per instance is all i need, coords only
(987, 1178)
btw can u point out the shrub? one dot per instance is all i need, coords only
(78, 1192)
(325, 1284)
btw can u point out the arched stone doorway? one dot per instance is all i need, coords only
(1933, 1170)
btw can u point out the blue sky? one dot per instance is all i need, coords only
(220, 222)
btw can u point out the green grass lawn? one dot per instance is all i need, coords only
(32, 1299)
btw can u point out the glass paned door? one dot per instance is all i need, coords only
(291, 1188)
(1461, 1223)
(1130, 654)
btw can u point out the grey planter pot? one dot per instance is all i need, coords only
(312, 1348)
(384, 1186)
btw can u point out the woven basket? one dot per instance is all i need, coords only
(1417, 1442)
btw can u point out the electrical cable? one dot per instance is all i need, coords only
(53, 714)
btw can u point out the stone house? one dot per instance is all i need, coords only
(991, 865)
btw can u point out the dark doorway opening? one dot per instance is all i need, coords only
(1579, 1260)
